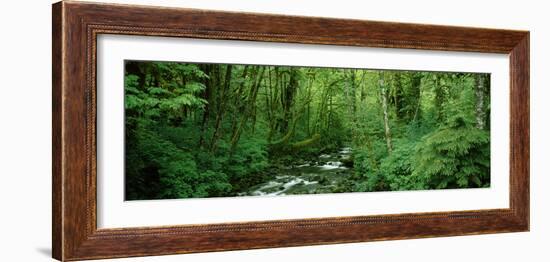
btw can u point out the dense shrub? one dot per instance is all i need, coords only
(455, 156)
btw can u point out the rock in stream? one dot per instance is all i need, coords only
(315, 176)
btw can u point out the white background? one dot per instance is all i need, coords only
(113, 211)
(25, 145)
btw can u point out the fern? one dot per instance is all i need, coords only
(456, 156)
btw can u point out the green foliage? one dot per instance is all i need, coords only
(456, 156)
(213, 130)
(163, 159)
(399, 166)
(170, 171)
(247, 162)
(367, 167)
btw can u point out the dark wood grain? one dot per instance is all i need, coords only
(519, 129)
(57, 195)
(76, 26)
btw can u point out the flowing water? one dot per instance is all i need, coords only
(320, 175)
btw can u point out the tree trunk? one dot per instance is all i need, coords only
(248, 109)
(384, 99)
(308, 129)
(416, 83)
(480, 101)
(439, 98)
(287, 101)
(206, 96)
(351, 97)
(221, 107)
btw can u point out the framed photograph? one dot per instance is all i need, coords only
(182, 130)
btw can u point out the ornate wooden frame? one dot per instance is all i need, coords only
(76, 26)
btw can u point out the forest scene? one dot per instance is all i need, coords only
(197, 130)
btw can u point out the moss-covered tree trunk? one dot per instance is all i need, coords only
(224, 89)
(480, 101)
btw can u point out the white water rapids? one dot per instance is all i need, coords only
(304, 178)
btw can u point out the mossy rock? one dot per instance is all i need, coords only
(347, 162)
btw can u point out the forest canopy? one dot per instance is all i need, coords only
(219, 130)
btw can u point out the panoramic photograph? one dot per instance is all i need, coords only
(200, 130)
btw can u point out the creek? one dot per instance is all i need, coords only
(313, 176)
